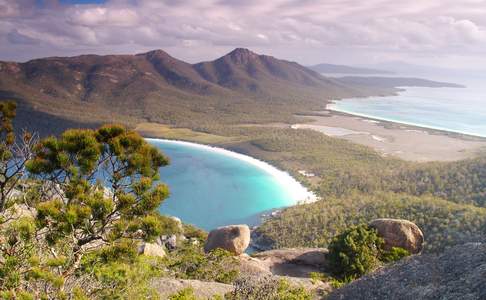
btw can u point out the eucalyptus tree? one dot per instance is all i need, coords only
(99, 196)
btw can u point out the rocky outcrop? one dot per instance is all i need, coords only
(458, 273)
(151, 249)
(202, 290)
(292, 262)
(168, 241)
(399, 233)
(233, 238)
(293, 265)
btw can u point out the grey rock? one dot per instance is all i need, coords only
(298, 262)
(171, 243)
(203, 290)
(458, 273)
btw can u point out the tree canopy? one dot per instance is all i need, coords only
(89, 195)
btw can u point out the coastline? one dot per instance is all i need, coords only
(404, 141)
(440, 130)
(299, 192)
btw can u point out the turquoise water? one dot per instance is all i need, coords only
(213, 188)
(461, 110)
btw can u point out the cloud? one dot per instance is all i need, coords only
(15, 37)
(310, 30)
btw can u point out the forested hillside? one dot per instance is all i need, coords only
(443, 223)
(357, 185)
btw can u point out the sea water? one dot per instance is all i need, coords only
(212, 187)
(460, 110)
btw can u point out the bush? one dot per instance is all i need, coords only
(184, 294)
(358, 251)
(190, 262)
(355, 252)
(395, 254)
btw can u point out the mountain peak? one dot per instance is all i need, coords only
(155, 53)
(242, 51)
(242, 55)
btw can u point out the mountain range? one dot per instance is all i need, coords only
(241, 87)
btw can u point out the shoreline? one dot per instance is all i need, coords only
(297, 190)
(432, 129)
(407, 142)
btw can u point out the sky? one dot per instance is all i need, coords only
(445, 33)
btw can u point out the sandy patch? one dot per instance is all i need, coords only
(327, 130)
(408, 143)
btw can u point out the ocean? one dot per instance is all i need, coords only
(460, 110)
(212, 187)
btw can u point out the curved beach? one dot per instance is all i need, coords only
(213, 186)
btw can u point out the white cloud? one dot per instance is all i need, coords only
(291, 28)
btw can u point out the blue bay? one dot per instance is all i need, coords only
(211, 188)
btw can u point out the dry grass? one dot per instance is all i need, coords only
(156, 130)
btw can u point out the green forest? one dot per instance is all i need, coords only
(356, 184)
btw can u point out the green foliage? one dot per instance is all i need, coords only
(355, 252)
(394, 254)
(127, 163)
(82, 241)
(335, 282)
(462, 182)
(317, 277)
(191, 231)
(190, 262)
(184, 294)
(443, 223)
(7, 114)
(338, 283)
(342, 167)
(119, 272)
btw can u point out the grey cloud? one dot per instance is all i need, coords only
(15, 37)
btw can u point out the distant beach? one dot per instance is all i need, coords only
(392, 139)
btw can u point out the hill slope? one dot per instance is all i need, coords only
(239, 87)
(156, 87)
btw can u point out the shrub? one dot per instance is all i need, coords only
(190, 262)
(184, 294)
(395, 254)
(355, 252)
(358, 251)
